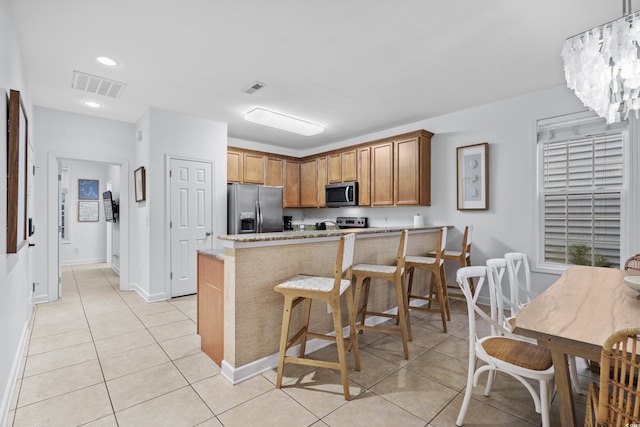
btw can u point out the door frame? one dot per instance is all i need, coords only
(53, 207)
(167, 210)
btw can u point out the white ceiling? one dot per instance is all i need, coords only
(353, 66)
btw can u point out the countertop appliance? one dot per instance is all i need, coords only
(352, 222)
(253, 209)
(342, 194)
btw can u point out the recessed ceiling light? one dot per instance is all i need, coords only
(283, 122)
(92, 104)
(105, 60)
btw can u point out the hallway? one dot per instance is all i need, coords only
(103, 357)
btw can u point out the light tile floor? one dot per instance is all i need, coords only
(102, 357)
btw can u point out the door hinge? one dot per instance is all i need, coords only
(171, 275)
(34, 170)
(170, 224)
(59, 177)
(169, 173)
(34, 287)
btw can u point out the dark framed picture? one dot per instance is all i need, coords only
(88, 211)
(88, 189)
(139, 181)
(16, 174)
(472, 176)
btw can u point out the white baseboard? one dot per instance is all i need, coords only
(115, 268)
(84, 261)
(146, 296)
(7, 396)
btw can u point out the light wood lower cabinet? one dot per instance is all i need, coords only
(211, 306)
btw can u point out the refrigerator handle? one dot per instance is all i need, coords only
(258, 217)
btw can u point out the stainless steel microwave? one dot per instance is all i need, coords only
(343, 194)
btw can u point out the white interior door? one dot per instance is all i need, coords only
(191, 221)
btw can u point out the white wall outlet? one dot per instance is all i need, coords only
(76, 250)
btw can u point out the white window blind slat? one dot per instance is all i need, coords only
(582, 180)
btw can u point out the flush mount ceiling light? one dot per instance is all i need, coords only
(283, 122)
(105, 60)
(603, 68)
(92, 104)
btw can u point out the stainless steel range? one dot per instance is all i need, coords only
(352, 222)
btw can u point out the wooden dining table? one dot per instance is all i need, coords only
(575, 316)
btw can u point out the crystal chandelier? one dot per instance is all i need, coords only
(602, 66)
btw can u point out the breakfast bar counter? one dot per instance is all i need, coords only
(255, 263)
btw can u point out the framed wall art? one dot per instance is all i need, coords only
(16, 174)
(472, 176)
(88, 211)
(88, 189)
(139, 181)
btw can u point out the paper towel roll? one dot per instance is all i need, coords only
(418, 221)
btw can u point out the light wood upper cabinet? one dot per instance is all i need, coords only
(309, 183)
(382, 174)
(364, 176)
(349, 165)
(291, 184)
(273, 175)
(234, 166)
(412, 171)
(335, 168)
(323, 179)
(254, 168)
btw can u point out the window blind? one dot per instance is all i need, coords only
(582, 181)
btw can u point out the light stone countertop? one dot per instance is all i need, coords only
(215, 253)
(313, 234)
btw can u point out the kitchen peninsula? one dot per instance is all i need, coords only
(254, 263)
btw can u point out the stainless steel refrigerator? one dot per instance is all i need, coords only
(253, 209)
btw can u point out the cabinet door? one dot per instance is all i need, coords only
(407, 172)
(323, 179)
(349, 166)
(234, 166)
(211, 306)
(382, 174)
(291, 184)
(274, 172)
(364, 176)
(309, 184)
(335, 168)
(254, 168)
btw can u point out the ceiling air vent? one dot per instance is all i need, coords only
(254, 88)
(98, 85)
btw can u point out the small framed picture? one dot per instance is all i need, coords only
(139, 180)
(88, 189)
(472, 170)
(88, 211)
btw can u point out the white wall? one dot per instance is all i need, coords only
(113, 175)
(15, 286)
(68, 136)
(87, 240)
(164, 133)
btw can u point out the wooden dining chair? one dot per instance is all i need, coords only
(633, 263)
(438, 284)
(303, 288)
(462, 257)
(501, 351)
(394, 275)
(616, 401)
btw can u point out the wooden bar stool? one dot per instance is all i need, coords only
(327, 289)
(395, 275)
(438, 285)
(463, 257)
